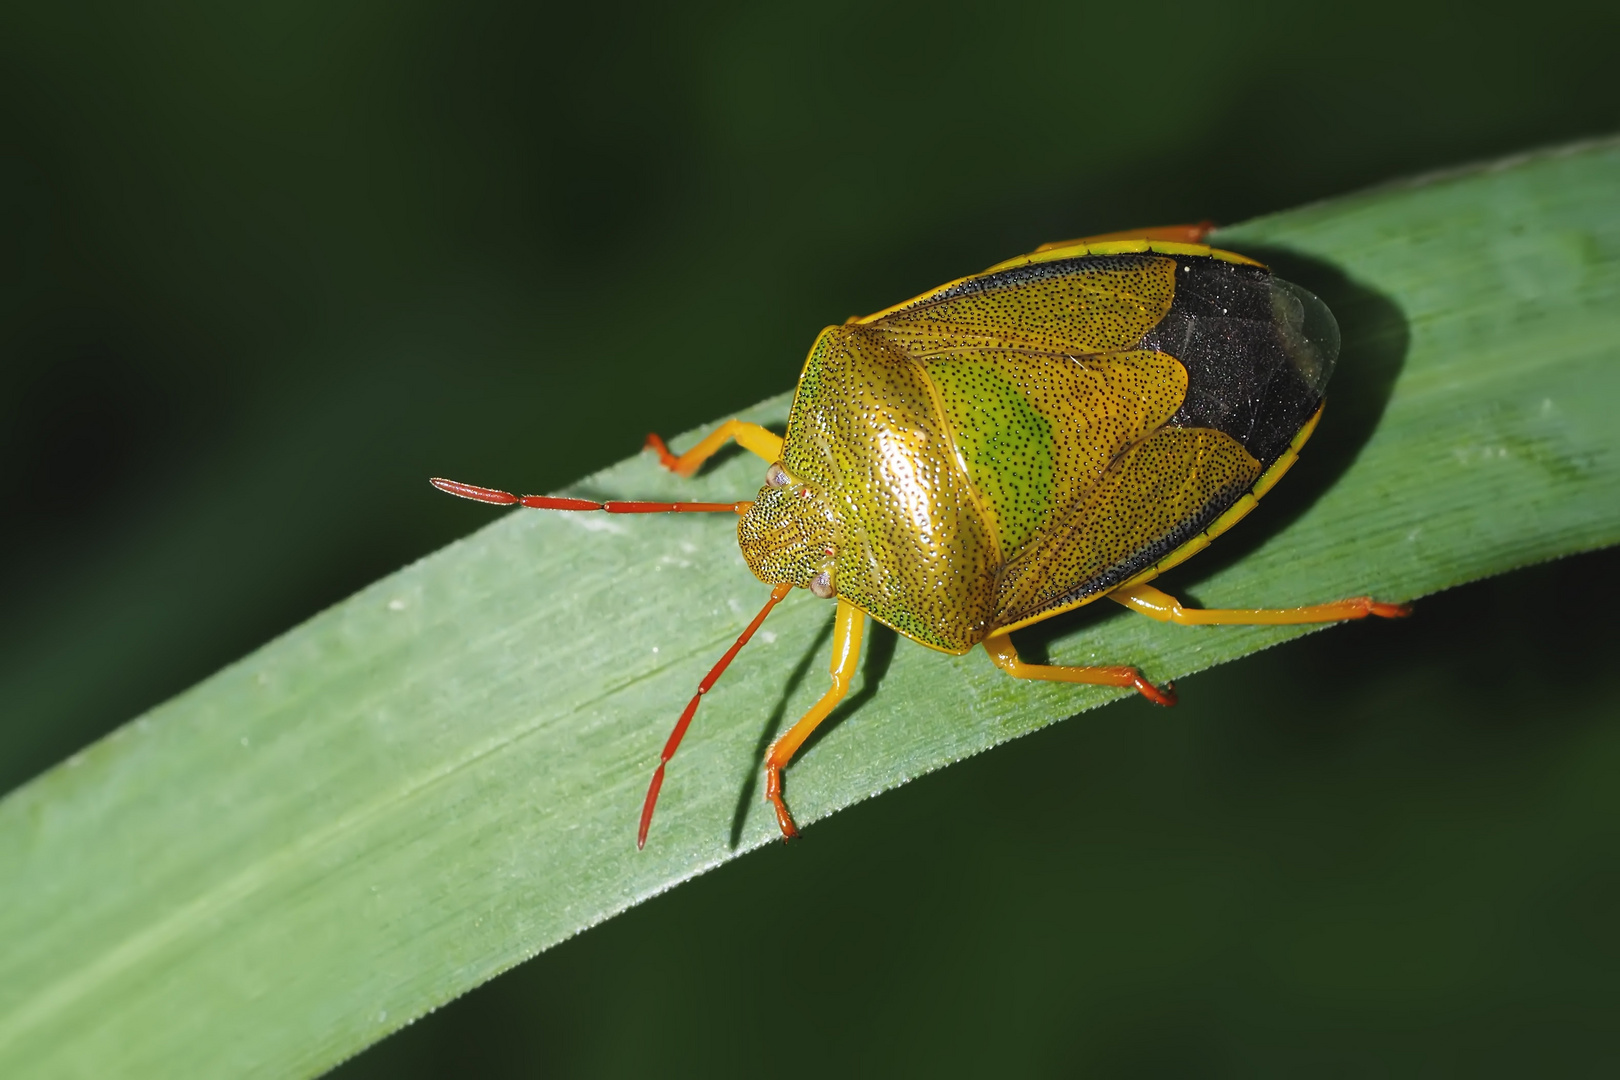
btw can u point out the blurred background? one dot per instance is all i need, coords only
(266, 266)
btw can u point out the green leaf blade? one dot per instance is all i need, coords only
(440, 777)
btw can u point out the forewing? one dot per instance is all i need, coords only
(1258, 352)
(1066, 307)
(1037, 432)
(1158, 495)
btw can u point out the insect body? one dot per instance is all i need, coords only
(1019, 443)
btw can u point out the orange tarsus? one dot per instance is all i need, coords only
(674, 741)
(773, 792)
(656, 444)
(1132, 677)
(1160, 695)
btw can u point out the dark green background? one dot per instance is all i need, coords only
(264, 267)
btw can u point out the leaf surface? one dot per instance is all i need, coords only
(440, 777)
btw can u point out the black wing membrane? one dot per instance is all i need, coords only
(1258, 352)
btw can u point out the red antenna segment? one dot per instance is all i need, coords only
(691, 710)
(497, 497)
(554, 502)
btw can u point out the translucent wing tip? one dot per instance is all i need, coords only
(1309, 332)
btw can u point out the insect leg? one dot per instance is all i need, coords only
(1146, 600)
(1000, 648)
(848, 627)
(750, 437)
(1182, 234)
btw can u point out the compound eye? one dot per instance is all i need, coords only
(822, 585)
(776, 477)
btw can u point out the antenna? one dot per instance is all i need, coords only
(691, 710)
(496, 497)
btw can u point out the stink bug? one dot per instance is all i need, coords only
(1062, 427)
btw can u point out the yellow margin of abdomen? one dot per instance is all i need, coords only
(1070, 251)
(1123, 247)
(1230, 517)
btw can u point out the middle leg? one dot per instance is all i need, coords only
(1000, 648)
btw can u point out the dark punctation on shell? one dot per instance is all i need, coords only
(1019, 277)
(1158, 494)
(1073, 307)
(1019, 442)
(1163, 545)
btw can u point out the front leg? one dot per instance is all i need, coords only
(750, 437)
(848, 628)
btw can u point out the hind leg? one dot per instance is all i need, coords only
(1180, 234)
(1146, 600)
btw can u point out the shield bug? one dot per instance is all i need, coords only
(1062, 427)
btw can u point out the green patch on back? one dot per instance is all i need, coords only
(1004, 442)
